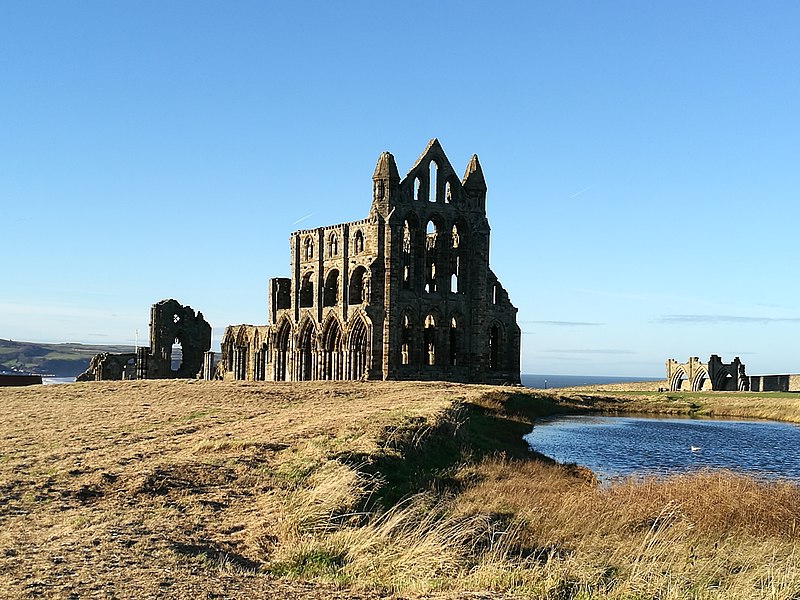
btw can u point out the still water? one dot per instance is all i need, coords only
(621, 446)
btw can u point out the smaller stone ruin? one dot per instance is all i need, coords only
(714, 375)
(170, 323)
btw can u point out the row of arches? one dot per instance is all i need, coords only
(332, 241)
(432, 187)
(358, 289)
(434, 341)
(288, 353)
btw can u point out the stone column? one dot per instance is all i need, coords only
(208, 366)
(142, 359)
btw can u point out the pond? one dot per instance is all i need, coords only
(634, 445)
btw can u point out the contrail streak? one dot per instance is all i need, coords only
(304, 218)
(586, 189)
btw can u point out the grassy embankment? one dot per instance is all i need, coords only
(776, 406)
(227, 489)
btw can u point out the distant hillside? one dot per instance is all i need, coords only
(61, 360)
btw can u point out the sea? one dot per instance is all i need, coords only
(544, 382)
(531, 380)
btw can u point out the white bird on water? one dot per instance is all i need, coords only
(695, 448)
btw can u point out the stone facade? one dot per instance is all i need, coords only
(406, 293)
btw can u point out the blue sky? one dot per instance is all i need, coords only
(642, 161)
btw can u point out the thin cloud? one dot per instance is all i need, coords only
(716, 319)
(589, 351)
(563, 323)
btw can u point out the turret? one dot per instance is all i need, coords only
(474, 184)
(385, 181)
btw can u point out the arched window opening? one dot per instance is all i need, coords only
(405, 341)
(240, 357)
(358, 242)
(406, 256)
(431, 235)
(358, 349)
(176, 356)
(430, 340)
(455, 240)
(282, 351)
(332, 356)
(307, 291)
(417, 188)
(494, 347)
(447, 193)
(308, 249)
(260, 362)
(359, 288)
(227, 352)
(494, 293)
(305, 354)
(454, 275)
(333, 245)
(433, 187)
(454, 335)
(330, 295)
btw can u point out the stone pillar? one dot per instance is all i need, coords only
(142, 360)
(208, 365)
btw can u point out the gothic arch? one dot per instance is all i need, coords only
(282, 347)
(332, 350)
(333, 244)
(675, 381)
(306, 350)
(358, 346)
(330, 293)
(408, 336)
(496, 348)
(358, 289)
(306, 295)
(431, 338)
(455, 340)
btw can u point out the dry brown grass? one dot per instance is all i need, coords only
(186, 489)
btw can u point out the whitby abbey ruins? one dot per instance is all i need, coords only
(406, 293)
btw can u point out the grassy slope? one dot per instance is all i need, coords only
(62, 360)
(243, 490)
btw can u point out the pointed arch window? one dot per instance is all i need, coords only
(431, 277)
(406, 255)
(494, 347)
(358, 242)
(405, 341)
(333, 244)
(430, 340)
(330, 295)
(455, 334)
(307, 291)
(308, 249)
(433, 184)
(417, 189)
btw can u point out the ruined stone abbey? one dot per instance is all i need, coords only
(406, 293)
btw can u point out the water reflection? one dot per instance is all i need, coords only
(619, 446)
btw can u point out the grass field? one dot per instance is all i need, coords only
(191, 489)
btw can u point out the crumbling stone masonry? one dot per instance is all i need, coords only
(713, 375)
(406, 293)
(170, 323)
